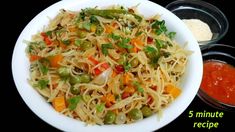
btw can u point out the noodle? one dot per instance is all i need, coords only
(99, 64)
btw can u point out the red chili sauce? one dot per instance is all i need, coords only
(219, 81)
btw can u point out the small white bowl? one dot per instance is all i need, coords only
(190, 84)
(204, 11)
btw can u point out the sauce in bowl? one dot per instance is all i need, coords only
(218, 81)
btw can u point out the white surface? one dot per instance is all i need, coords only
(190, 85)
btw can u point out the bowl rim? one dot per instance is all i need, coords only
(63, 122)
(214, 102)
(202, 94)
(216, 45)
(200, 3)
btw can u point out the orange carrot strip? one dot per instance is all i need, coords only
(126, 79)
(46, 38)
(129, 89)
(108, 29)
(54, 60)
(93, 60)
(114, 74)
(59, 103)
(137, 41)
(34, 58)
(109, 99)
(173, 90)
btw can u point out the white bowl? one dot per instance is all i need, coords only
(190, 83)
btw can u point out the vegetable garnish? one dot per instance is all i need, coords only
(49, 33)
(94, 20)
(42, 83)
(66, 42)
(77, 42)
(127, 66)
(153, 55)
(159, 44)
(105, 47)
(110, 13)
(114, 36)
(171, 35)
(124, 43)
(159, 27)
(74, 101)
(139, 88)
(87, 26)
(100, 107)
(43, 68)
